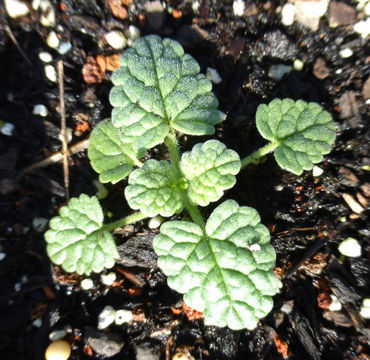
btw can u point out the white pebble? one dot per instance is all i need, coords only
(298, 65)
(317, 171)
(64, 48)
(52, 40)
(367, 9)
(37, 323)
(134, 32)
(195, 5)
(50, 73)
(106, 317)
(363, 28)
(365, 308)
(288, 14)
(338, 71)
(346, 53)
(366, 302)
(108, 279)
(16, 8)
(40, 109)
(2, 256)
(7, 129)
(335, 305)
(255, 247)
(123, 316)
(45, 57)
(238, 7)
(276, 72)
(155, 222)
(222, 117)
(47, 17)
(279, 187)
(116, 39)
(69, 135)
(57, 335)
(17, 286)
(213, 75)
(39, 223)
(87, 284)
(350, 247)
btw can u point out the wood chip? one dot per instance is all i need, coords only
(92, 72)
(352, 203)
(320, 70)
(117, 9)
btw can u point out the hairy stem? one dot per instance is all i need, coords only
(252, 158)
(196, 216)
(171, 143)
(124, 221)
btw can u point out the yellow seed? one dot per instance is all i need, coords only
(58, 350)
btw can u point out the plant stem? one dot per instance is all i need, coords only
(252, 158)
(196, 215)
(124, 221)
(171, 143)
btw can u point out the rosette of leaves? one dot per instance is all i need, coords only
(109, 156)
(224, 270)
(301, 133)
(204, 174)
(76, 239)
(159, 87)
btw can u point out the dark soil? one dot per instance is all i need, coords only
(308, 216)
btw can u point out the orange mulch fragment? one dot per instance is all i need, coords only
(87, 350)
(135, 291)
(110, 62)
(281, 346)
(82, 127)
(190, 313)
(324, 300)
(117, 9)
(92, 72)
(49, 292)
(177, 14)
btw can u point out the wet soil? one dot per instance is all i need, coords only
(308, 216)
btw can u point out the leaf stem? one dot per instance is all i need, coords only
(196, 215)
(171, 143)
(124, 221)
(252, 158)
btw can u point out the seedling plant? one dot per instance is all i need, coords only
(222, 265)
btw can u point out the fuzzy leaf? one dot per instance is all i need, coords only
(156, 188)
(303, 132)
(219, 271)
(76, 239)
(109, 155)
(158, 86)
(210, 169)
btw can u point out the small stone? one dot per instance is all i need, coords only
(298, 65)
(155, 222)
(320, 70)
(47, 17)
(335, 305)
(287, 307)
(366, 302)
(69, 135)
(39, 223)
(58, 350)
(288, 14)
(350, 247)
(340, 14)
(134, 32)
(317, 171)
(41, 110)
(346, 53)
(116, 39)
(365, 308)
(308, 13)
(52, 40)
(213, 75)
(106, 317)
(277, 72)
(222, 117)
(6, 128)
(145, 352)
(366, 89)
(104, 344)
(45, 57)
(363, 28)
(64, 48)
(57, 334)
(367, 9)
(16, 8)
(87, 284)
(347, 177)
(117, 9)
(123, 316)
(352, 203)
(108, 279)
(37, 323)
(2, 256)
(50, 73)
(195, 5)
(238, 7)
(92, 72)
(155, 14)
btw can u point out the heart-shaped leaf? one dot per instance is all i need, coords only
(226, 271)
(302, 132)
(76, 239)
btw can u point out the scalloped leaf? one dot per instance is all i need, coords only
(158, 87)
(226, 271)
(156, 188)
(210, 170)
(303, 132)
(76, 240)
(109, 155)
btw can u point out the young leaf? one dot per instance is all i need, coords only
(156, 188)
(210, 169)
(158, 86)
(109, 155)
(303, 132)
(225, 272)
(76, 239)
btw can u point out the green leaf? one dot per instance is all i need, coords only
(156, 188)
(109, 155)
(76, 239)
(303, 132)
(225, 272)
(210, 169)
(157, 87)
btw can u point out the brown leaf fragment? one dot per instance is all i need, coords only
(348, 177)
(91, 71)
(117, 9)
(324, 300)
(352, 203)
(341, 14)
(236, 47)
(320, 70)
(108, 63)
